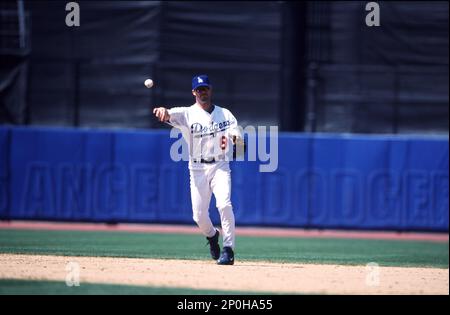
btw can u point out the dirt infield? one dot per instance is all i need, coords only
(243, 276)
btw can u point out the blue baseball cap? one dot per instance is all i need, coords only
(200, 80)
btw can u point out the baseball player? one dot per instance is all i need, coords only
(210, 131)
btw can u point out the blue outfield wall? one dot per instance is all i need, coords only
(322, 181)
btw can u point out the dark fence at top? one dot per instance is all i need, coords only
(312, 66)
(377, 99)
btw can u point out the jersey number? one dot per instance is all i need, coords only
(223, 143)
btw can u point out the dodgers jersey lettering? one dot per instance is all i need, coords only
(203, 131)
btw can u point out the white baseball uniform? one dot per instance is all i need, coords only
(203, 132)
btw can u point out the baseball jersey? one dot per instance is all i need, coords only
(203, 131)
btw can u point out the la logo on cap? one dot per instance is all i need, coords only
(200, 80)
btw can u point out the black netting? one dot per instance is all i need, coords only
(304, 66)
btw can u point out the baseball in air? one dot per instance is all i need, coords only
(148, 83)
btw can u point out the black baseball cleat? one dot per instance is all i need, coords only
(226, 257)
(214, 247)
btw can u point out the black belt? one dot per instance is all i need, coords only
(205, 161)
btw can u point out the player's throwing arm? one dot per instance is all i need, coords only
(162, 114)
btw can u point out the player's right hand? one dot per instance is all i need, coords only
(161, 113)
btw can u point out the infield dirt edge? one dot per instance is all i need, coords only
(284, 278)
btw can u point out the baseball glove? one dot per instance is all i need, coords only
(239, 147)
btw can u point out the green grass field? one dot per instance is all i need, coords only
(274, 249)
(177, 246)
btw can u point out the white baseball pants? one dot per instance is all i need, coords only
(213, 178)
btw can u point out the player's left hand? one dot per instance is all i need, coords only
(238, 140)
(238, 146)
